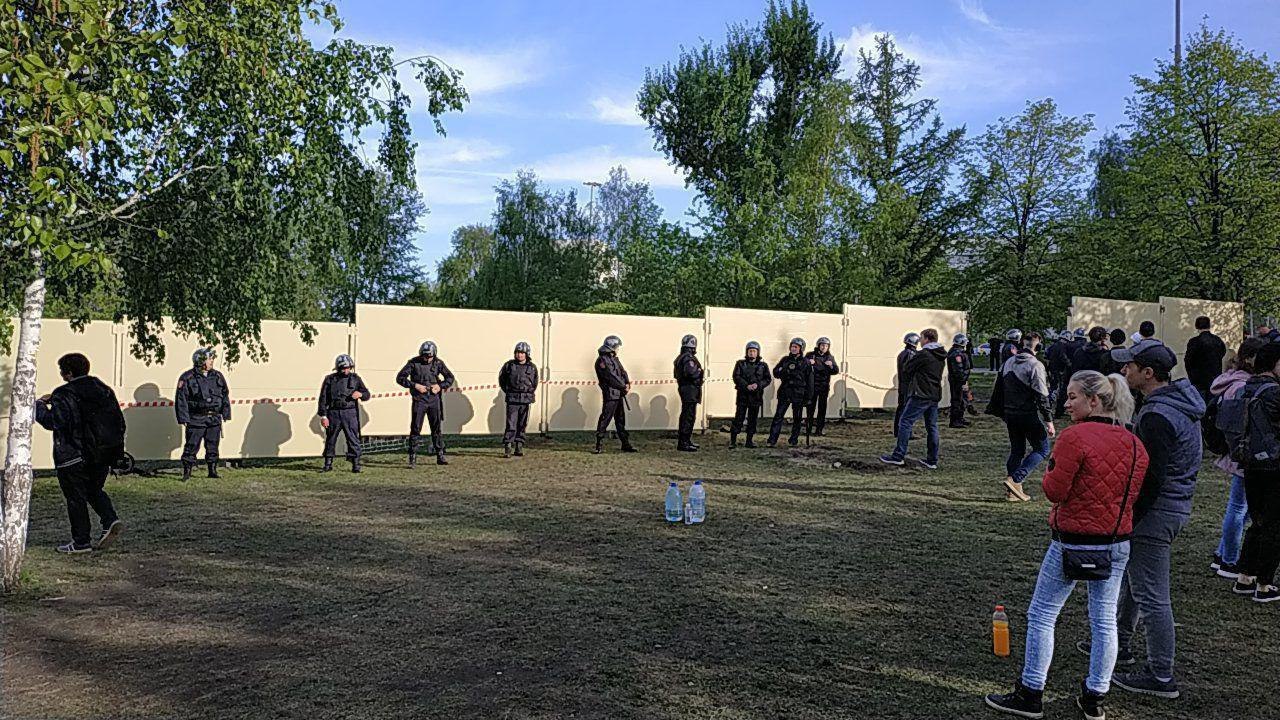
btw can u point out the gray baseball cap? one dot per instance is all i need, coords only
(1147, 353)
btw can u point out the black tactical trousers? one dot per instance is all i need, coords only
(517, 421)
(818, 409)
(345, 422)
(780, 413)
(434, 412)
(209, 434)
(750, 413)
(615, 410)
(957, 402)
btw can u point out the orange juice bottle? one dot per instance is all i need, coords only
(1000, 632)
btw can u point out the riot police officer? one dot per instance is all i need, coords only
(959, 365)
(518, 379)
(688, 375)
(795, 387)
(911, 344)
(750, 377)
(614, 386)
(824, 366)
(427, 378)
(339, 411)
(1010, 349)
(202, 404)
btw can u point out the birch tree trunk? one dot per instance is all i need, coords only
(17, 469)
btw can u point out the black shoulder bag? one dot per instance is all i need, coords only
(1095, 563)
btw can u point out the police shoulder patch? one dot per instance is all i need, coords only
(181, 383)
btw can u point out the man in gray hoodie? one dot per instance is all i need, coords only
(1169, 427)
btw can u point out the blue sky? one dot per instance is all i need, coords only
(553, 84)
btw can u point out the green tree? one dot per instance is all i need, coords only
(456, 274)
(175, 150)
(1032, 169)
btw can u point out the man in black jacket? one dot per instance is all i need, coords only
(750, 377)
(76, 413)
(959, 365)
(924, 394)
(795, 387)
(1057, 360)
(339, 411)
(1204, 357)
(911, 341)
(202, 404)
(1093, 355)
(427, 378)
(518, 379)
(688, 375)
(1260, 554)
(824, 366)
(614, 386)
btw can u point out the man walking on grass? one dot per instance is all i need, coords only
(924, 392)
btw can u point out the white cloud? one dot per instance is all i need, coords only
(495, 70)
(616, 112)
(594, 163)
(451, 152)
(442, 188)
(973, 10)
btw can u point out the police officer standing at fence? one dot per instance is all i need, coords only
(795, 387)
(750, 378)
(518, 379)
(688, 374)
(959, 365)
(614, 386)
(824, 366)
(427, 377)
(340, 397)
(202, 404)
(911, 343)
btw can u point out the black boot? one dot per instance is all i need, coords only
(599, 446)
(355, 465)
(1090, 704)
(733, 441)
(328, 465)
(186, 471)
(213, 469)
(750, 443)
(1022, 702)
(627, 447)
(413, 459)
(519, 449)
(506, 450)
(440, 459)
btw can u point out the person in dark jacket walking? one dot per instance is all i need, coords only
(1057, 361)
(427, 378)
(824, 366)
(911, 345)
(1260, 553)
(1169, 426)
(688, 375)
(73, 412)
(339, 411)
(518, 380)
(795, 387)
(614, 386)
(959, 366)
(1204, 357)
(202, 404)
(750, 377)
(924, 393)
(1027, 416)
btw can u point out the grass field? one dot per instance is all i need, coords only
(550, 587)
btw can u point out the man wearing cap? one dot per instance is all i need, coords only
(427, 378)
(202, 403)
(1169, 427)
(518, 380)
(340, 396)
(910, 342)
(959, 365)
(688, 375)
(615, 384)
(795, 387)
(750, 377)
(824, 366)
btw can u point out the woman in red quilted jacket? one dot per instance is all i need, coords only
(1094, 475)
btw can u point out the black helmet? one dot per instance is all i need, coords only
(960, 339)
(201, 354)
(798, 341)
(523, 347)
(427, 348)
(611, 344)
(343, 361)
(911, 339)
(753, 345)
(688, 341)
(823, 341)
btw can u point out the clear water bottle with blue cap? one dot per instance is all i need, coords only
(697, 502)
(674, 507)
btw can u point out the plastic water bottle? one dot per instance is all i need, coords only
(697, 502)
(688, 514)
(675, 508)
(1000, 632)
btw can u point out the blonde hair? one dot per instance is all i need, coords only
(1111, 390)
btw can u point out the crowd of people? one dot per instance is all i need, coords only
(1120, 477)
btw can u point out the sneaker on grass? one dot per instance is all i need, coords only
(73, 549)
(1266, 594)
(928, 465)
(1022, 702)
(1245, 585)
(110, 535)
(891, 460)
(1143, 682)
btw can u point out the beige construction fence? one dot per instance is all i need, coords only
(274, 405)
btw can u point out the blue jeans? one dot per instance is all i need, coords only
(1052, 591)
(1233, 522)
(1024, 431)
(916, 409)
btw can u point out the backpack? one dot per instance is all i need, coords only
(1256, 445)
(1214, 438)
(103, 428)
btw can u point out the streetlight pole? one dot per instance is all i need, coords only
(591, 203)
(1177, 33)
